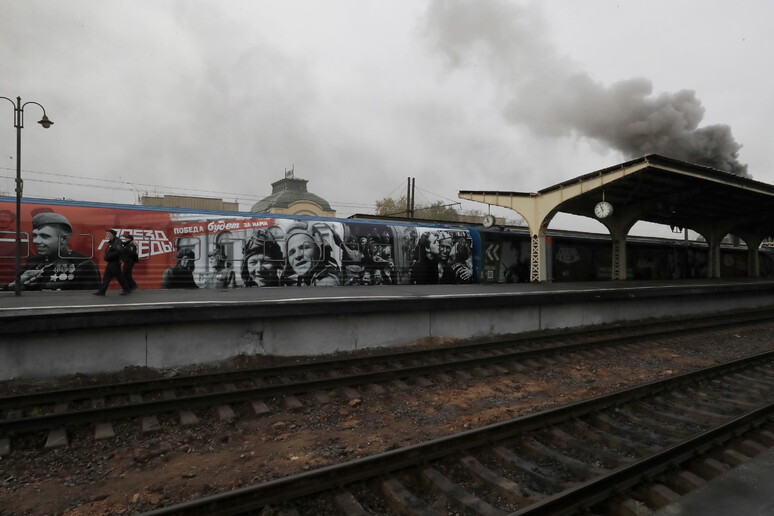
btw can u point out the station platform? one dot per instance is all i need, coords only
(747, 490)
(46, 334)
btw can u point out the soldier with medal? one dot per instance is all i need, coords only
(56, 266)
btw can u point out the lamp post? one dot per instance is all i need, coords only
(18, 123)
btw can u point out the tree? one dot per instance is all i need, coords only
(435, 211)
(392, 207)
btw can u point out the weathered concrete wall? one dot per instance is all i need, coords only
(175, 341)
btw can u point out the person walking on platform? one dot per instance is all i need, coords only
(113, 253)
(129, 258)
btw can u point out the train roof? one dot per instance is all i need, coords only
(375, 220)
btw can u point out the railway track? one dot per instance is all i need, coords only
(57, 412)
(635, 449)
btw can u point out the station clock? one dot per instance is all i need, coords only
(603, 209)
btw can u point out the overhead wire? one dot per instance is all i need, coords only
(116, 184)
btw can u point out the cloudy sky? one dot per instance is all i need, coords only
(219, 98)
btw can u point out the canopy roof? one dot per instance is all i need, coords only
(654, 189)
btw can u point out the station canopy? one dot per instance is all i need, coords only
(653, 189)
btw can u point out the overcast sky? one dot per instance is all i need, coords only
(219, 98)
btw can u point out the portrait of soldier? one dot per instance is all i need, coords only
(262, 260)
(180, 275)
(56, 266)
(309, 257)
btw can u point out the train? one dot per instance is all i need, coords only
(63, 244)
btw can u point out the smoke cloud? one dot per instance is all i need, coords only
(543, 90)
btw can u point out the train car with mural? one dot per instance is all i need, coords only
(62, 246)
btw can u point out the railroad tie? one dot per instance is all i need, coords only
(765, 436)
(684, 481)
(403, 501)
(562, 439)
(375, 388)
(730, 457)
(656, 495)
(435, 480)
(225, 413)
(348, 505)
(708, 468)
(57, 438)
(399, 385)
(462, 375)
(628, 507)
(423, 382)
(321, 397)
(149, 424)
(505, 487)
(350, 394)
(578, 468)
(748, 447)
(538, 475)
(187, 417)
(104, 431)
(291, 402)
(443, 378)
(260, 408)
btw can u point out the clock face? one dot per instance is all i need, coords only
(603, 209)
(489, 221)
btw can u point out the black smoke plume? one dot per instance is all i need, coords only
(542, 90)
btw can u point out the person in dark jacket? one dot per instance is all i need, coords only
(180, 275)
(129, 258)
(113, 253)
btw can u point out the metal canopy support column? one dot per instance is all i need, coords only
(713, 234)
(619, 226)
(753, 262)
(753, 241)
(536, 211)
(713, 265)
(619, 259)
(537, 258)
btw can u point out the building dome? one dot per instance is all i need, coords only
(290, 197)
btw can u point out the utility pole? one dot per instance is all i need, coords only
(410, 187)
(408, 198)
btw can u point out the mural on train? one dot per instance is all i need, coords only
(63, 244)
(63, 247)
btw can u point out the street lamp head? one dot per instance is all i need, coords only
(45, 122)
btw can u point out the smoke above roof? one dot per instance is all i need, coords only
(545, 92)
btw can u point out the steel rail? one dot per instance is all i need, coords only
(632, 331)
(332, 477)
(152, 407)
(47, 421)
(595, 491)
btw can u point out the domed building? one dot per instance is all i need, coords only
(289, 196)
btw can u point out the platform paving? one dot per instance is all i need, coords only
(747, 490)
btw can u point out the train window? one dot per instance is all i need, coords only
(381, 252)
(228, 247)
(8, 244)
(82, 243)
